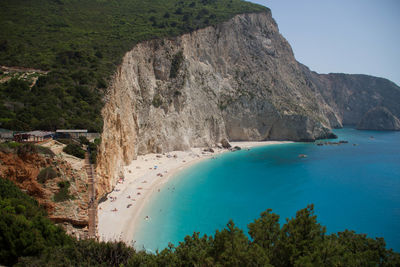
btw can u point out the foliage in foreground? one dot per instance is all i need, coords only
(24, 228)
(81, 42)
(29, 239)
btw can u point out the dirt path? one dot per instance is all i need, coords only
(22, 69)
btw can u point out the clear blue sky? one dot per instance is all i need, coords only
(350, 36)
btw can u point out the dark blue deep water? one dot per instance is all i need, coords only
(351, 187)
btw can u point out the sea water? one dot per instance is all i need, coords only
(353, 186)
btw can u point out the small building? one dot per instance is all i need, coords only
(33, 136)
(71, 134)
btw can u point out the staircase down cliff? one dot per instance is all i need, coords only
(238, 80)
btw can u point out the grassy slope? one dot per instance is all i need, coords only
(82, 42)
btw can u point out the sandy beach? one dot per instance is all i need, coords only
(119, 214)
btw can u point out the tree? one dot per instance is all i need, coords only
(265, 231)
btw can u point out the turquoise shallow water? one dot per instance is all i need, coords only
(352, 187)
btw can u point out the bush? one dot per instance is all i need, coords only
(45, 151)
(9, 147)
(176, 64)
(66, 141)
(74, 150)
(46, 174)
(26, 149)
(63, 193)
(24, 229)
(97, 141)
(93, 157)
(83, 140)
(157, 101)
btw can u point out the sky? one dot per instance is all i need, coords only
(349, 36)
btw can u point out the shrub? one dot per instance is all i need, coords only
(24, 229)
(26, 149)
(63, 193)
(176, 64)
(93, 157)
(157, 101)
(45, 151)
(9, 147)
(83, 140)
(46, 174)
(97, 141)
(74, 150)
(66, 141)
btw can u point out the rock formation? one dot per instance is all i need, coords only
(379, 118)
(238, 80)
(24, 171)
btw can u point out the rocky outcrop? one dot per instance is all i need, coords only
(379, 118)
(352, 96)
(238, 80)
(24, 170)
(225, 143)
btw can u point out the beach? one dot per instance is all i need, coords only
(119, 214)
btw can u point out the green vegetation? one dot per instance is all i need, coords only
(30, 239)
(9, 147)
(67, 141)
(93, 148)
(24, 229)
(74, 150)
(24, 149)
(157, 101)
(176, 64)
(81, 43)
(63, 193)
(46, 174)
(83, 140)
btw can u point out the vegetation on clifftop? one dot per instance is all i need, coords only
(81, 42)
(27, 238)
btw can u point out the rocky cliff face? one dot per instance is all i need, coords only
(379, 118)
(238, 80)
(352, 96)
(24, 170)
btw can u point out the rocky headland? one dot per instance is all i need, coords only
(238, 80)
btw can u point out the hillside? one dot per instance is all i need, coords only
(81, 43)
(58, 182)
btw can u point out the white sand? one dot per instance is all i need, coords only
(142, 179)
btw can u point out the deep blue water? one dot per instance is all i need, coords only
(351, 187)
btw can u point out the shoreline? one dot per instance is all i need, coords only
(118, 216)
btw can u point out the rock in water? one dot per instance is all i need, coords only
(379, 118)
(225, 143)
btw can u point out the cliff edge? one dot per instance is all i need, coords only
(238, 80)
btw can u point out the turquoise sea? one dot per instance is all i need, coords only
(351, 187)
